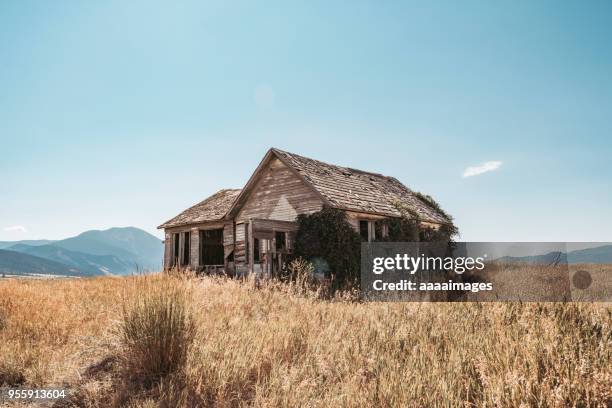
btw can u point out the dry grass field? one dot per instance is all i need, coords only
(167, 341)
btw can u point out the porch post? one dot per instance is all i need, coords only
(250, 247)
(168, 248)
(194, 248)
(181, 254)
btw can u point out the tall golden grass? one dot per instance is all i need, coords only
(157, 330)
(266, 346)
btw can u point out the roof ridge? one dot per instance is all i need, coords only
(329, 164)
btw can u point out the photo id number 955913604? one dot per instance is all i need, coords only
(8, 394)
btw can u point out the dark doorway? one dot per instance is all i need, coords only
(363, 230)
(211, 247)
(281, 241)
(186, 247)
(256, 251)
(176, 249)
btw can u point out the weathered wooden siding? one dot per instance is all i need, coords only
(240, 244)
(199, 226)
(279, 194)
(168, 249)
(228, 233)
(194, 255)
(228, 245)
(354, 217)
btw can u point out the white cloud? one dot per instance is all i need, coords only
(16, 228)
(264, 96)
(483, 168)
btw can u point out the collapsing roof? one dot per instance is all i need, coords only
(357, 190)
(339, 187)
(213, 208)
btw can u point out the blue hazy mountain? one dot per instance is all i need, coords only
(117, 251)
(31, 242)
(132, 245)
(599, 255)
(16, 263)
(602, 254)
(86, 264)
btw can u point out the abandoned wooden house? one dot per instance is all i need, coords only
(251, 230)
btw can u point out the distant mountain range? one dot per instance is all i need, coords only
(32, 242)
(599, 255)
(15, 263)
(116, 251)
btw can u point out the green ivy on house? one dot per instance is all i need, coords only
(327, 236)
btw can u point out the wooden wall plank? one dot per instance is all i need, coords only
(194, 256)
(167, 250)
(279, 194)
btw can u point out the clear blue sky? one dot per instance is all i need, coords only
(116, 113)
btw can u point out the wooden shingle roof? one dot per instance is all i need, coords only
(339, 187)
(213, 208)
(358, 190)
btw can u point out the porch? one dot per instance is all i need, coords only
(268, 245)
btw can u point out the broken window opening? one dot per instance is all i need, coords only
(281, 243)
(186, 247)
(175, 249)
(211, 247)
(256, 251)
(364, 230)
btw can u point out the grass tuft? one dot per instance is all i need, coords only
(10, 375)
(157, 329)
